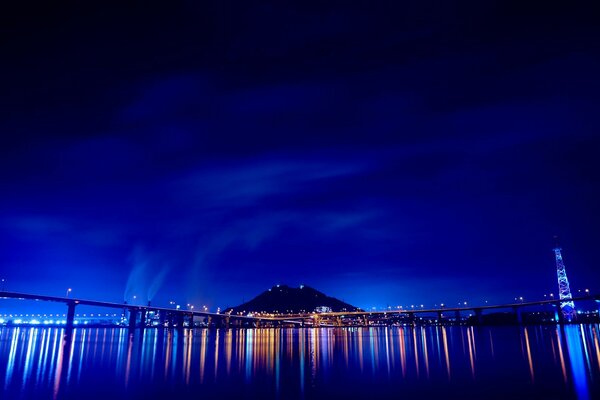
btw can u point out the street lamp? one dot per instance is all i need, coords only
(68, 291)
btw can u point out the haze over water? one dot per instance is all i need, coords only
(431, 362)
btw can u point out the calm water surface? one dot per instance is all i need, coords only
(543, 362)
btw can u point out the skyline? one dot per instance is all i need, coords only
(191, 153)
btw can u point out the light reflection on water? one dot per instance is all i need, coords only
(506, 362)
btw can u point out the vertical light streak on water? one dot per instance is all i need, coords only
(217, 333)
(43, 356)
(112, 335)
(375, 354)
(188, 355)
(240, 338)
(462, 340)
(474, 344)
(387, 350)
(393, 346)
(168, 347)
(425, 351)
(95, 341)
(596, 346)
(289, 346)
(313, 351)
(59, 363)
(128, 359)
(324, 348)
(120, 344)
(175, 345)
(360, 349)
(471, 351)
(249, 355)
(81, 353)
(202, 354)
(11, 358)
(416, 350)
(553, 350)
(331, 348)
(55, 345)
(402, 347)
(228, 346)
(277, 344)
(301, 354)
(143, 357)
(154, 349)
(585, 346)
(560, 353)
(40, 356)
(372, 349)
(529, 359)
(71, 348)
(439, 350)
(578, 371)
(446, 352)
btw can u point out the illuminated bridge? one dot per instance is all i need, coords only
(175, 318)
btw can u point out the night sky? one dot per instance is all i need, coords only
(385, 153)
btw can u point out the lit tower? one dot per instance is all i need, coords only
(567, 306)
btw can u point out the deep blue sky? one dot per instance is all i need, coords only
(383, 152)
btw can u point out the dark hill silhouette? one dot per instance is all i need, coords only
(285, 299)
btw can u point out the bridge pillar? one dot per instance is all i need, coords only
(70, 314)
(440, 317)
(478, 316)
(365, 320)
(457, 316)
(161, 318)
(598, 305)
(519, 314)
(411, 318)
(143, 319)
(132, 320)
(191, 321)
(180, 319)
(560, 317)
(338, 321)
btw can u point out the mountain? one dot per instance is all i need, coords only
(285, 299)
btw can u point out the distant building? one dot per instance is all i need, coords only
(322, 309)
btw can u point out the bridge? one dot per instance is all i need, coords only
(175, 318)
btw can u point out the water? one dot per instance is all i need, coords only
(426, 362)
